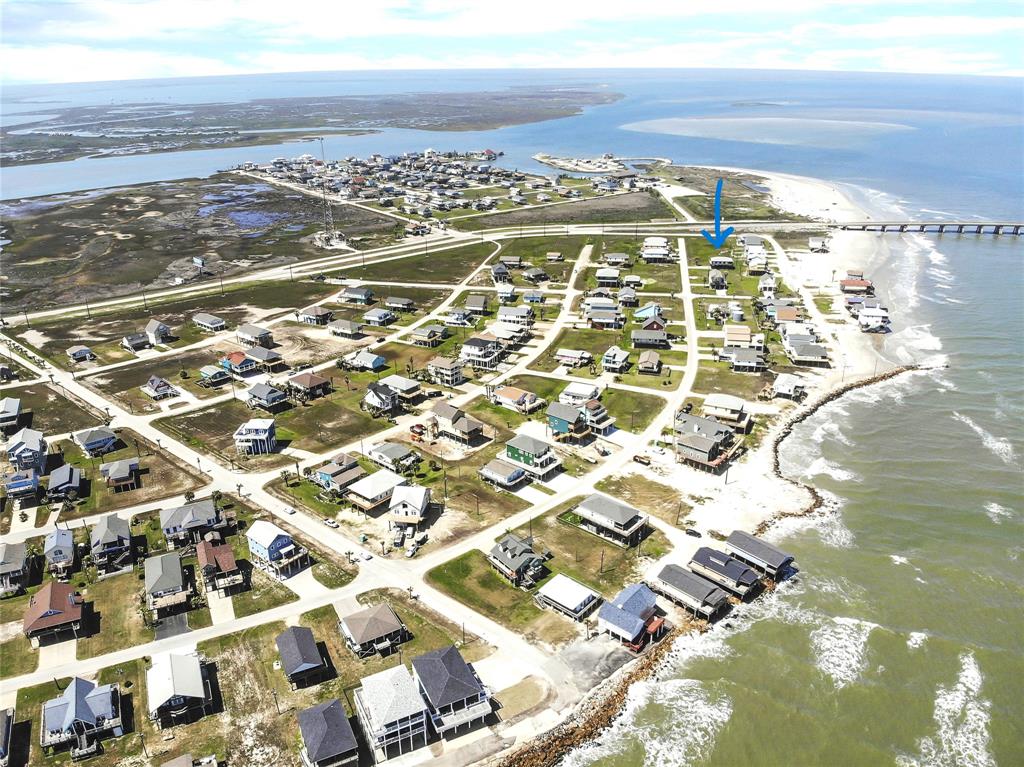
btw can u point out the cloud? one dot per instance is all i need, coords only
(114, 39)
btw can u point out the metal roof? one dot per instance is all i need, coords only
(297, 648)
(746, 544)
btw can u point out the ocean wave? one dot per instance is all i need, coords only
(823, 467)
(840, 649)
(830, 430)
(835, 534)
(899, 560)
(962, 720)
(1000, 447)
(997, 513)
(916, 639)
(686, 736)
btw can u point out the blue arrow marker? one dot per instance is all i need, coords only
(721, 235)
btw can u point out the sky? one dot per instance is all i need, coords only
(92, 40)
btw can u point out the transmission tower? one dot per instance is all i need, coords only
(328, 214)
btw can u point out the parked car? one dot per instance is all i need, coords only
(399, 538)
(331, 523)
(411, 551)
(693, 533)
(288, 510)
(642, 459)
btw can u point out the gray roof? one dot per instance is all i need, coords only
(110, 529)
(528, 444)
(648, 335)
(12, 557)
(82, 701)
(207, 319)
(65, 476)
(695, 586)
(755, 548)
(726, 566)
(445, 676)
(164, 573)
(194, 514)
(298, 650)
(710, 428)
(393, 451)
(264, 392)
(609, 508)
(326, 730)
(59, 539)
(249, 329)
(499, 468)
(563, 411)
(513, 551)
(156, 326)
(97, 434)
(371, 623)
(630, 624)
(391, 695)
(262, 354)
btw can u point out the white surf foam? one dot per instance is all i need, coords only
(821, 466)
(684, 738)
(829, 430)
(1000, 447)
(840, 649)
(898, 560)
(916, 639)
(997, 512)
(962, 724)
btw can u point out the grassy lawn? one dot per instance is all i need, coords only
(441, 266)
(429, 630)
(470, 579)
(17, 657)
(264, 593)
(116, 603)
(648, 495)
(633, 412)
(323, 424)
(623, 208)
(717, 377)
(583, 556)
(46, 409)
(161, 476)
(548, 388)
(659, 278)
(499, 417)
(304, 493)
(123, 383)
(332, 576)
(597, 342)
(403, 358)
(668, 380)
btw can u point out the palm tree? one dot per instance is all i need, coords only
(189, 496)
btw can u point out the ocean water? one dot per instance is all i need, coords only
(901, 640)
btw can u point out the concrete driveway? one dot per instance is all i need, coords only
(172, 626)
(222, 609)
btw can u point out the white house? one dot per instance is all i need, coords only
(577, 393)
(256, 436)
(409, 504)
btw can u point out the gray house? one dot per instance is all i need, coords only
(78, 719)
(13, 567)
(454, 694)
(165, 583)
(327, 736)
(515, 559)
(110, 543)
(301, 660)
(59, 551)
(189, 523)
(392, 712)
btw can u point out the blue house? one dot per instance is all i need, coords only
(95, 441)
(238, 363)
(272, 550)
(631, 616)
(21, 483)
(566, 421)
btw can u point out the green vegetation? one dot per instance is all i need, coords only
(619, 208)
(632, 411)
(331, 575)
(441, 266)
(160, 476)
(648, 495)
(17, 657)
(117, 604)
(46, 409)
(264, 593)
(717, 377)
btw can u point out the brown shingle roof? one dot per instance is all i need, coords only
(218, 556)
(55, 604)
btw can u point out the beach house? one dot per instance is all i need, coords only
(272, 550)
